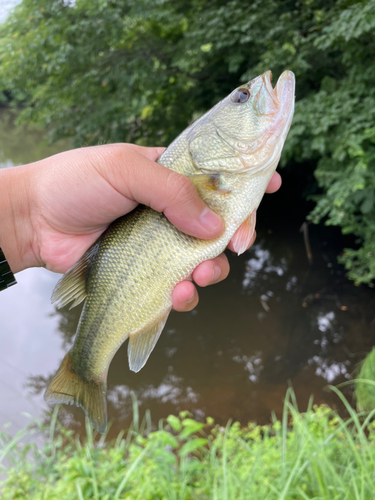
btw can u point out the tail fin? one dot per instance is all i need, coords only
(68, 388)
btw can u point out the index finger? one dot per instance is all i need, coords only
(274, 183)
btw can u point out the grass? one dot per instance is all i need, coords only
(313, 455)
(365, 383)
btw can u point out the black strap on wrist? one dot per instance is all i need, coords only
(7, 278)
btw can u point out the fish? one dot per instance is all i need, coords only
(127, 277)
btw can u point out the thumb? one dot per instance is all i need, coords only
(140, 179)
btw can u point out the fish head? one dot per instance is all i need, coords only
(247, 129)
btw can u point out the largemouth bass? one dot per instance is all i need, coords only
(127, 277)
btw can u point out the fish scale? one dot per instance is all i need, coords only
(128, 276)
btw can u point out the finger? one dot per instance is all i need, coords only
(184, 296)
(230, 245)
(144, 181)
(211, 271)
(274, 183)
(152, 154)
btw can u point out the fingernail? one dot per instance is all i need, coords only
(216, 273)
(210, 220)
(189, 301)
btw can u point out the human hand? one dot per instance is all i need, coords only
(61, 205)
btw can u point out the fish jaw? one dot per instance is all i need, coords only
(276, 103)
(264, 152)
(285, 94)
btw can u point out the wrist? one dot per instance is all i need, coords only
(16, 233)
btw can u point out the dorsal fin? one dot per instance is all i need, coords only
(72, 286)
(142, 343)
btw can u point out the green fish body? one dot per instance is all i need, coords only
(127, 277)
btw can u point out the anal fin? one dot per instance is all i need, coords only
(244, 234)
(72, 286)
(141, 344)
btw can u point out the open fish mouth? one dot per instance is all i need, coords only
(282, 96)
(285, 93)
(279, 103)
(267, 84)
(269, 100)
(285, 85)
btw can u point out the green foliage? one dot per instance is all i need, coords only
(141, 70)
(313, 455)
(365, 383)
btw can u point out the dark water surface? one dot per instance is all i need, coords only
(276, 320)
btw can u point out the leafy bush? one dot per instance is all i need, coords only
(141, 70)
(313, 455)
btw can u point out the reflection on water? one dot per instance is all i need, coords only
(252, 364)
(30, 343)
(171, 390)
(274, 321)
(261, 266)
(329, 370)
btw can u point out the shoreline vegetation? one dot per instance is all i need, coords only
(314, 454)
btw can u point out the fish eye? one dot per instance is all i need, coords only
(241, 96)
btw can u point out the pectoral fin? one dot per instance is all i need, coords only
(209, 183)
(72, 286)
(244, 234)
(142, 344)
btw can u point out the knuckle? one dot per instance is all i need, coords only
(119, 157)
(181, 189)
(117, 150)
(155, 152)
(222, 262)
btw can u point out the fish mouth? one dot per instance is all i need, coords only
(267, 84)
(284, 87)
(271, 100)
(283, 97)
(285, 92)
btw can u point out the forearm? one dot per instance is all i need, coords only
(16, 232)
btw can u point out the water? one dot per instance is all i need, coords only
(276, 321)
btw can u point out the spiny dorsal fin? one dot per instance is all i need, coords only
(142, 343)
(244, 234)
(72, 286)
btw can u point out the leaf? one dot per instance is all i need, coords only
(191, 446)
(190, 427)
(368, 204)
(174, 422)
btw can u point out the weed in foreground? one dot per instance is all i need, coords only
(311, 455)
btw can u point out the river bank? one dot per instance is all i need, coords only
(312, 455)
